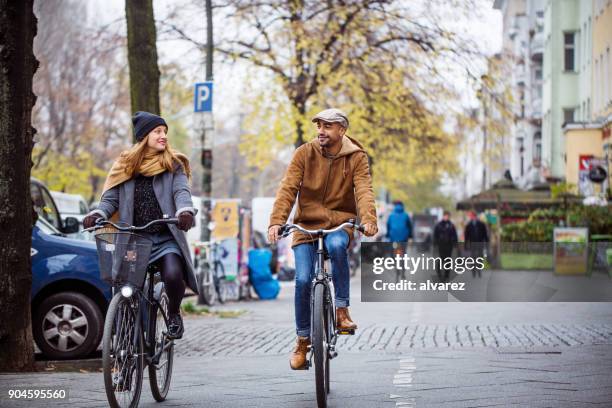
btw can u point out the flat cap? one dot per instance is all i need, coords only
(332, 115)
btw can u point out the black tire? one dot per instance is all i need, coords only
(330, 324)
(160, 373)
(67, 325)
(319, 344)
(118, 340)
(220, 282)
(206, 286)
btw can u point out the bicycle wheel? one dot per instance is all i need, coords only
(330, 324)
(206, 286)
(122, 354)
(319, 344)
(160, 369)
(219, 278)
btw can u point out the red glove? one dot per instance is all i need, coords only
(185, 220)
(90, 220)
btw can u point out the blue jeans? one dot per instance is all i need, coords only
(305, 259)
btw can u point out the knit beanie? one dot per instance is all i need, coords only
(144, 122)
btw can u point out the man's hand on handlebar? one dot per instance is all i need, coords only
(273, 233)
(369, 229)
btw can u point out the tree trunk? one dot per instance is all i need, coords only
(17, 67)
(299, 130)
(142, 56)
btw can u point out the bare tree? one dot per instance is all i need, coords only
(82, 88)
(17, 67)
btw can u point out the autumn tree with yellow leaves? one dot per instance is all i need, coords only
(375, 59)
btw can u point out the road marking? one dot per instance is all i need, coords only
(403, 379)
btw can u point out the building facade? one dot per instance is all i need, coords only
(523, 49)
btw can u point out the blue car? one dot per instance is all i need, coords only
(69, 300)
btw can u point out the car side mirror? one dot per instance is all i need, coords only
(71, 225)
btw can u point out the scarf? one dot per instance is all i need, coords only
(151, 165)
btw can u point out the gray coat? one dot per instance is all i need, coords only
(174, 196)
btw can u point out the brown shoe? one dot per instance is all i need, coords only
(298, 355)
(343, 319)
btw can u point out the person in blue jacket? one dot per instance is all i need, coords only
(399, 225)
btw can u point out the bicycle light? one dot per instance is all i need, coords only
(127, 291)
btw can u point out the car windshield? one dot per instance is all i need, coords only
(46, 227)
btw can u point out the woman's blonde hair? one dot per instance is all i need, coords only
(134, 156)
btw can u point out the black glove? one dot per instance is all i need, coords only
(185, 220)
(90, 220)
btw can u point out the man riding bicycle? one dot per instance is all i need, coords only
(331, 176)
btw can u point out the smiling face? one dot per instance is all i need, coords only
(158, 138)
(329, 134)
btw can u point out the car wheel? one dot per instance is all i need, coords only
(67, 325)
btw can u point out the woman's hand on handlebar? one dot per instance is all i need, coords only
(91, 220)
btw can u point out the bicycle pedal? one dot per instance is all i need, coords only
(346, 332)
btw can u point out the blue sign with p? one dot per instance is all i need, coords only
(203, 97)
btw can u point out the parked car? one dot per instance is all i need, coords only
(47, 209)
(68, 299)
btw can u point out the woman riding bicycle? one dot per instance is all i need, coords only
(332, 177)
(147, 181)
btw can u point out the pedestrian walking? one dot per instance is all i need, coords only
(476, 238)
(445, 238)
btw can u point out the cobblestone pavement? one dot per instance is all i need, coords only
(403, 355)
(225, 340)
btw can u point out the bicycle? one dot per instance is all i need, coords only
(211, 276)
(136, 324)
(322, 311)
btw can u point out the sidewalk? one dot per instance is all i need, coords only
(404, 355)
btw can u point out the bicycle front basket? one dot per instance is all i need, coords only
(123, 257)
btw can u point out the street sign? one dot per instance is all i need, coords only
(203, 97)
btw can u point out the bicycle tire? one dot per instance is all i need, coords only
(159, 327)
(207, 291)
(319, 344)
(330, 324)
(118, 310)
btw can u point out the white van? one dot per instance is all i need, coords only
(70, 205)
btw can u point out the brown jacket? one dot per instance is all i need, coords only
(332, 189)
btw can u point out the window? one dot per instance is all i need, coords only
(537, 146)
(569, 48)
(538, 71)
(44, 205)
(568, 115)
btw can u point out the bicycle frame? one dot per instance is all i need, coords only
(322, 277)
(144, 324)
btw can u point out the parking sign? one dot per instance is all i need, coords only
(203, 96)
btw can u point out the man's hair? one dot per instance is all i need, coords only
(446, 212)
(396, 202)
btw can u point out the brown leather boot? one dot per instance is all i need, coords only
(343, 319)
(298, 355)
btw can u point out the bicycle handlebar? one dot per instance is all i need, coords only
(287, 229)
(101, 223)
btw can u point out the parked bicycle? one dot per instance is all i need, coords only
(212, 281)
(136, 325)
(322, 311)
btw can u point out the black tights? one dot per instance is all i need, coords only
(172, 267)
